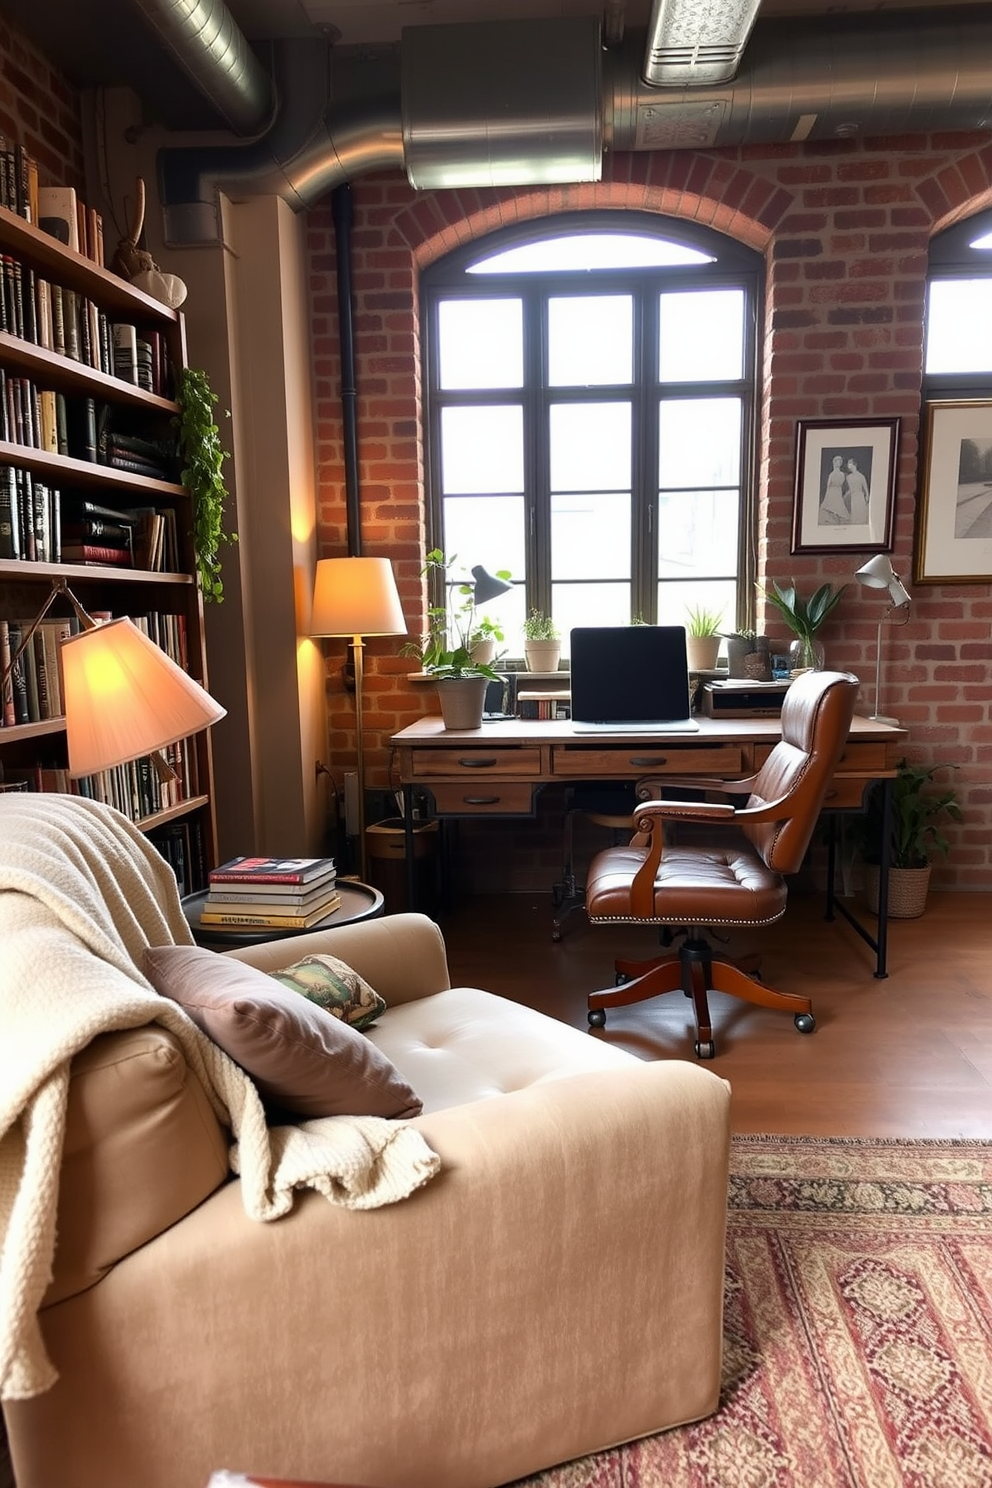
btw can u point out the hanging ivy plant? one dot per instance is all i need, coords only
(203, 458)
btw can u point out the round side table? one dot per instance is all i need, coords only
(359, 901)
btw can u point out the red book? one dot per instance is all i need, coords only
(94, 553)
(271, 870)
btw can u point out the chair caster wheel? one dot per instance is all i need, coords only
(597, 1017)
(706, 1049)
(620, 979)
(556, 935)
(805, 1022)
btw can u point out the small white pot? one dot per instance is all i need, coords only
(542, 656)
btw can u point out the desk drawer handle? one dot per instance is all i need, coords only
(478, 764)
(481, 800)
(646, 762)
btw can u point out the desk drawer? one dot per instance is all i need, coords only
(475, 763)
(869, 756)
(632, 761)
(845, 794)
(484, 798)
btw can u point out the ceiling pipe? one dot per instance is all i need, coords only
(207, 43)
(837, 77)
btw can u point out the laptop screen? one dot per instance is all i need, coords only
(629, 674)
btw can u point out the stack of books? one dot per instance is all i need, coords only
(278, 893)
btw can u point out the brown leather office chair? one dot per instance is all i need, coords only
(735, 877)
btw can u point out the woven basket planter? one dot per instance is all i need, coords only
(907, 891)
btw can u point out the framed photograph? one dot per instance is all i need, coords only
(845, 486)
(954, 519)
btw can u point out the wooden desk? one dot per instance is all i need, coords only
(498, 769)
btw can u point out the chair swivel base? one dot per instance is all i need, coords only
(695, 971)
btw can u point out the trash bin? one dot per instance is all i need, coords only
(385, 847)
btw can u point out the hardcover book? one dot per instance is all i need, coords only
(269, 918)
(271, 870)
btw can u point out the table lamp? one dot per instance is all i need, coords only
(878, 573)
(356, 597)
(123, 697)
(487, 586)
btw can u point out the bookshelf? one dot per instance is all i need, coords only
(64, 485)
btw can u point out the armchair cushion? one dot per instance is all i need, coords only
(301, 1058)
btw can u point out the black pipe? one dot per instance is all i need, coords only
(343, 214)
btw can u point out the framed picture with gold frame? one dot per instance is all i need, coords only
(954, 514)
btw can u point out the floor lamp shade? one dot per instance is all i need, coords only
(356, 597)
(124, 697)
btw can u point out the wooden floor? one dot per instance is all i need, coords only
(910, 1055)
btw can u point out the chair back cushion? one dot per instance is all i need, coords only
(816, 719)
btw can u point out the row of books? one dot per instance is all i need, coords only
(18, 180)
(543, 705)
(33, 691)
(181, 845)
(286, 893)
(67, 322)
(133, 788)
(41, 525)
(81, 428)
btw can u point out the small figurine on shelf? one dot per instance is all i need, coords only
(137, 266)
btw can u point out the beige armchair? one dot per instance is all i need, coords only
(554, 1290)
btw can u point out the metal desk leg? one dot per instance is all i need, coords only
(408, 848)
(831, 863)
(882, 934)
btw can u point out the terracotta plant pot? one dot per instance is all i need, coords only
(462, 700)
(701, 652)
(542, 656)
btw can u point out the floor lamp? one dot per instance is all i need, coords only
(355, 598)
(878, 573)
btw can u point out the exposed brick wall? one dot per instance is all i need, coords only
(844, 229)
(39, 109)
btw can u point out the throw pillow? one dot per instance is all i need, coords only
(301, 1059)
(334, 986)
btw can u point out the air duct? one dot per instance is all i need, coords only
(467, 115)
(206, 41)
(690, 45)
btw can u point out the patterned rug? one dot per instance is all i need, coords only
(858, 1327)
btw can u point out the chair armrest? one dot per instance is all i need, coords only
(651, 787)
(686, 810)
(402, 956)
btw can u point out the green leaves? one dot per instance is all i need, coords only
(202, 475)
(917, 814)
(804, 616)
(704, 622)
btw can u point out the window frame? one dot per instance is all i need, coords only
(735, 266)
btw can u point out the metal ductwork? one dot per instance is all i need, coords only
(692, 43)
(209, 46)
(464, 112)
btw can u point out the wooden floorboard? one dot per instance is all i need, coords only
(910, 1055)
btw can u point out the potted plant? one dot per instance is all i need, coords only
(446, 652)
(542, 642)
(487, 635)
(916, 816)
(702, 638)
(804, 617)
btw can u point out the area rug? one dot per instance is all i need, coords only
(858, 1327)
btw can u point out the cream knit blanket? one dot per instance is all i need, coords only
(82, 893)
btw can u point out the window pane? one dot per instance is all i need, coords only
(487, 530)
(697, 533)
(592, 250)
(676, 600)
(699, 442)
(480, 343)
(702, 336)
(590, 537)
(959, 319)
(482, 449)
(590, 341)
(590, 446)
(588, 604)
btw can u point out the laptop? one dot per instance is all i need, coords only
(630, 678)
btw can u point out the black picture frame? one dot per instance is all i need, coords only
(845, 485)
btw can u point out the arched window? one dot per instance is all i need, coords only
(590, 403)
(958, 359)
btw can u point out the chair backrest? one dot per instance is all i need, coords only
(816, 720)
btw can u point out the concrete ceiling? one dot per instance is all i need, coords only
(108, 42)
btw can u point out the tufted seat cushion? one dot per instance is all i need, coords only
(463, 1045)
(726, 882)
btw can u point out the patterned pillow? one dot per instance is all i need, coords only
(334, 986)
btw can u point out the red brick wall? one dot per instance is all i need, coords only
(844, 229)
(40, 110)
